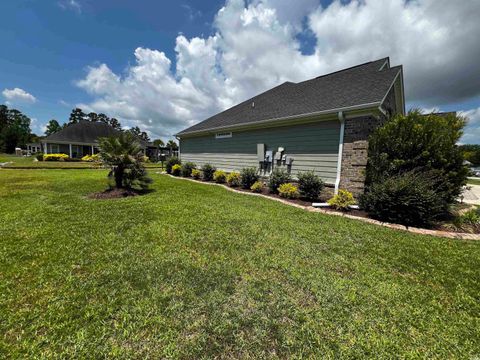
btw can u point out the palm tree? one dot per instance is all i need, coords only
(124, 155)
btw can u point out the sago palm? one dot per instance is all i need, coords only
(123, 154)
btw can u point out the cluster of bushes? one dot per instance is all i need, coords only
(55, 157)
(308, 185)
(468, 221)
(91, 158)
(415, 169)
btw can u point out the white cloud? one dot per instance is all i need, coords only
(255, 46)
(70, 5)
(472, 130)
(18, 95)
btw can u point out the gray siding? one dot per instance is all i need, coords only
(313, 146)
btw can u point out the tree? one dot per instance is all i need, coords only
(471, 153)
(124, 155)
(115, 124)
(158, 143)
(103, 118)
(139, 133)
(92, 116)
(52, 127)
(14, 129)
(76, 115)
(172, 145)
(420, 143)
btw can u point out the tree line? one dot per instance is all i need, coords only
(14, 129)
(471, 153)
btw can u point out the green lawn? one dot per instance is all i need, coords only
(23, 162)
(194, 271)
(473, 182)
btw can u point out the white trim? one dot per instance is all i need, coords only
(400, 72)
(224, 135)
(341, 118)
(299, 116)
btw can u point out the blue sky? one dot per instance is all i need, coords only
(164, 65)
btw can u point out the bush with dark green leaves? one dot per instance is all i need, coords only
(310, 185)
(170, 162)
(422, 143)
(278, 177)
(410, 199)
(208, 170)
(187, 169)
(249, 177)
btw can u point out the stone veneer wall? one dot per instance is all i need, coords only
(355, 152)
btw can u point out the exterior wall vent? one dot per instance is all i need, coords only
(224, 135)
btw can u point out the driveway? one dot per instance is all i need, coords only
(472, 195)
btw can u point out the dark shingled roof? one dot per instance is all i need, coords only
(362, 84)
(82, 132)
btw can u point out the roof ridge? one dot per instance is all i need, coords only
(349, 68)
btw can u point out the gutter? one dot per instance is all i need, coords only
(341, 118)
(299, 116)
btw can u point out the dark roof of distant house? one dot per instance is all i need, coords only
(83, 132)
(359, 85)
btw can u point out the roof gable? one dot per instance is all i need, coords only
(359, 85)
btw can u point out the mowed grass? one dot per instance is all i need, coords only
(28, 162)
(195, 271)
(474, 181)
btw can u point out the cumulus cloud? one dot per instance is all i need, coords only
(472, 130)
(18, 95)
(256, 46)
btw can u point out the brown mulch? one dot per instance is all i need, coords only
(113, 194)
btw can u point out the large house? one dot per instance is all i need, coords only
(320, 124)
(79, 139)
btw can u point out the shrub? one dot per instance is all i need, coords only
(288, 190)
(342, 201)
(170, 163)
(176, 170)
(249, 177)
(196, 174)
(123, 153)
(55, 157)
(277, 178)
(234, 179)
(39, 157)
(421, 143)
(208, 171)
(310, 185)
(468, 222)
(257, 187)
(187, 169)
(91, 158)
(219, 176)
(410, 199)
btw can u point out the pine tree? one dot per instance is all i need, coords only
(52, 127)
(76, 115)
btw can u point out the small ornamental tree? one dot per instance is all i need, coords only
(124, 156)
(420, 143)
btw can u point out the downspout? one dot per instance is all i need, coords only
(341, 118)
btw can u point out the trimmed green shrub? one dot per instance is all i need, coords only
(233, 179)
(417, 142)
(208, 170)
(55, 157)
(410, 199)
(219, 176)
(170, 163)
(277, 178)
(196, 174)
(249, 177)
(310, 185)
(176, 170)
(288, 190)
(257, 187)
(187, 169)
(342, 201)
(39, 156)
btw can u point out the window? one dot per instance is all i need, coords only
(223, 135)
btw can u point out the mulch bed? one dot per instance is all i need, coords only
(113, 194)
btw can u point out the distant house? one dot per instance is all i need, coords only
(77, 140)
(33, 148)
(320, 124)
